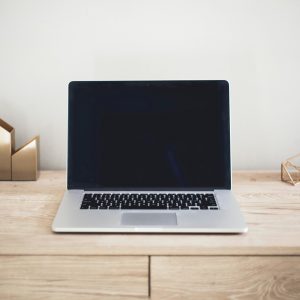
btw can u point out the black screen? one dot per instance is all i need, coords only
(149, 135)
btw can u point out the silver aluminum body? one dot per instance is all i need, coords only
(228, 219)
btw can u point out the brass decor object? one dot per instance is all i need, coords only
(7, 146)
(20, 164)
(290, 170)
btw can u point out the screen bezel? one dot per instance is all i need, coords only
(226, 122)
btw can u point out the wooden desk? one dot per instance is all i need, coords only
(262, 264)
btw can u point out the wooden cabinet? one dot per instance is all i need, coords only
(225, 277)
(264, 263)
(73, 277)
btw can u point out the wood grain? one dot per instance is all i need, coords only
(73, 277)
(271, 209)
(239, 277)
(36, 263)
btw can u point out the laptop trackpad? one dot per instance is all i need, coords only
(152, 219)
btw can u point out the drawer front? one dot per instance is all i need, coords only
(73, 277)
(235, 277)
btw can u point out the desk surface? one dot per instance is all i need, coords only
(271, 209)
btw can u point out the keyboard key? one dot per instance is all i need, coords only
(84, 206)
(155, 201)
(93, 207)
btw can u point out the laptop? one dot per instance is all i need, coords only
(149, 156)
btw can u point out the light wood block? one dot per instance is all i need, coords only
(243, 277)
(36, 263)
(270, 206)
(73, 277)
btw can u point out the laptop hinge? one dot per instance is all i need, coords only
(148, 190)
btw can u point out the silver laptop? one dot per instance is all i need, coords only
(149, 156)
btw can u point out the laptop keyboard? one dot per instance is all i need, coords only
(149, 201)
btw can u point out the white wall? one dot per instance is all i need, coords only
(253, 44)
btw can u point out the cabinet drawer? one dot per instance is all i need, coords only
(73, 277)
(235, 277)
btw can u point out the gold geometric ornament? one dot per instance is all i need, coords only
(290, 170)
(25, 161)
(20, 164)
(7, 146)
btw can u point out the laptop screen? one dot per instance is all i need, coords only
(149, 135)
